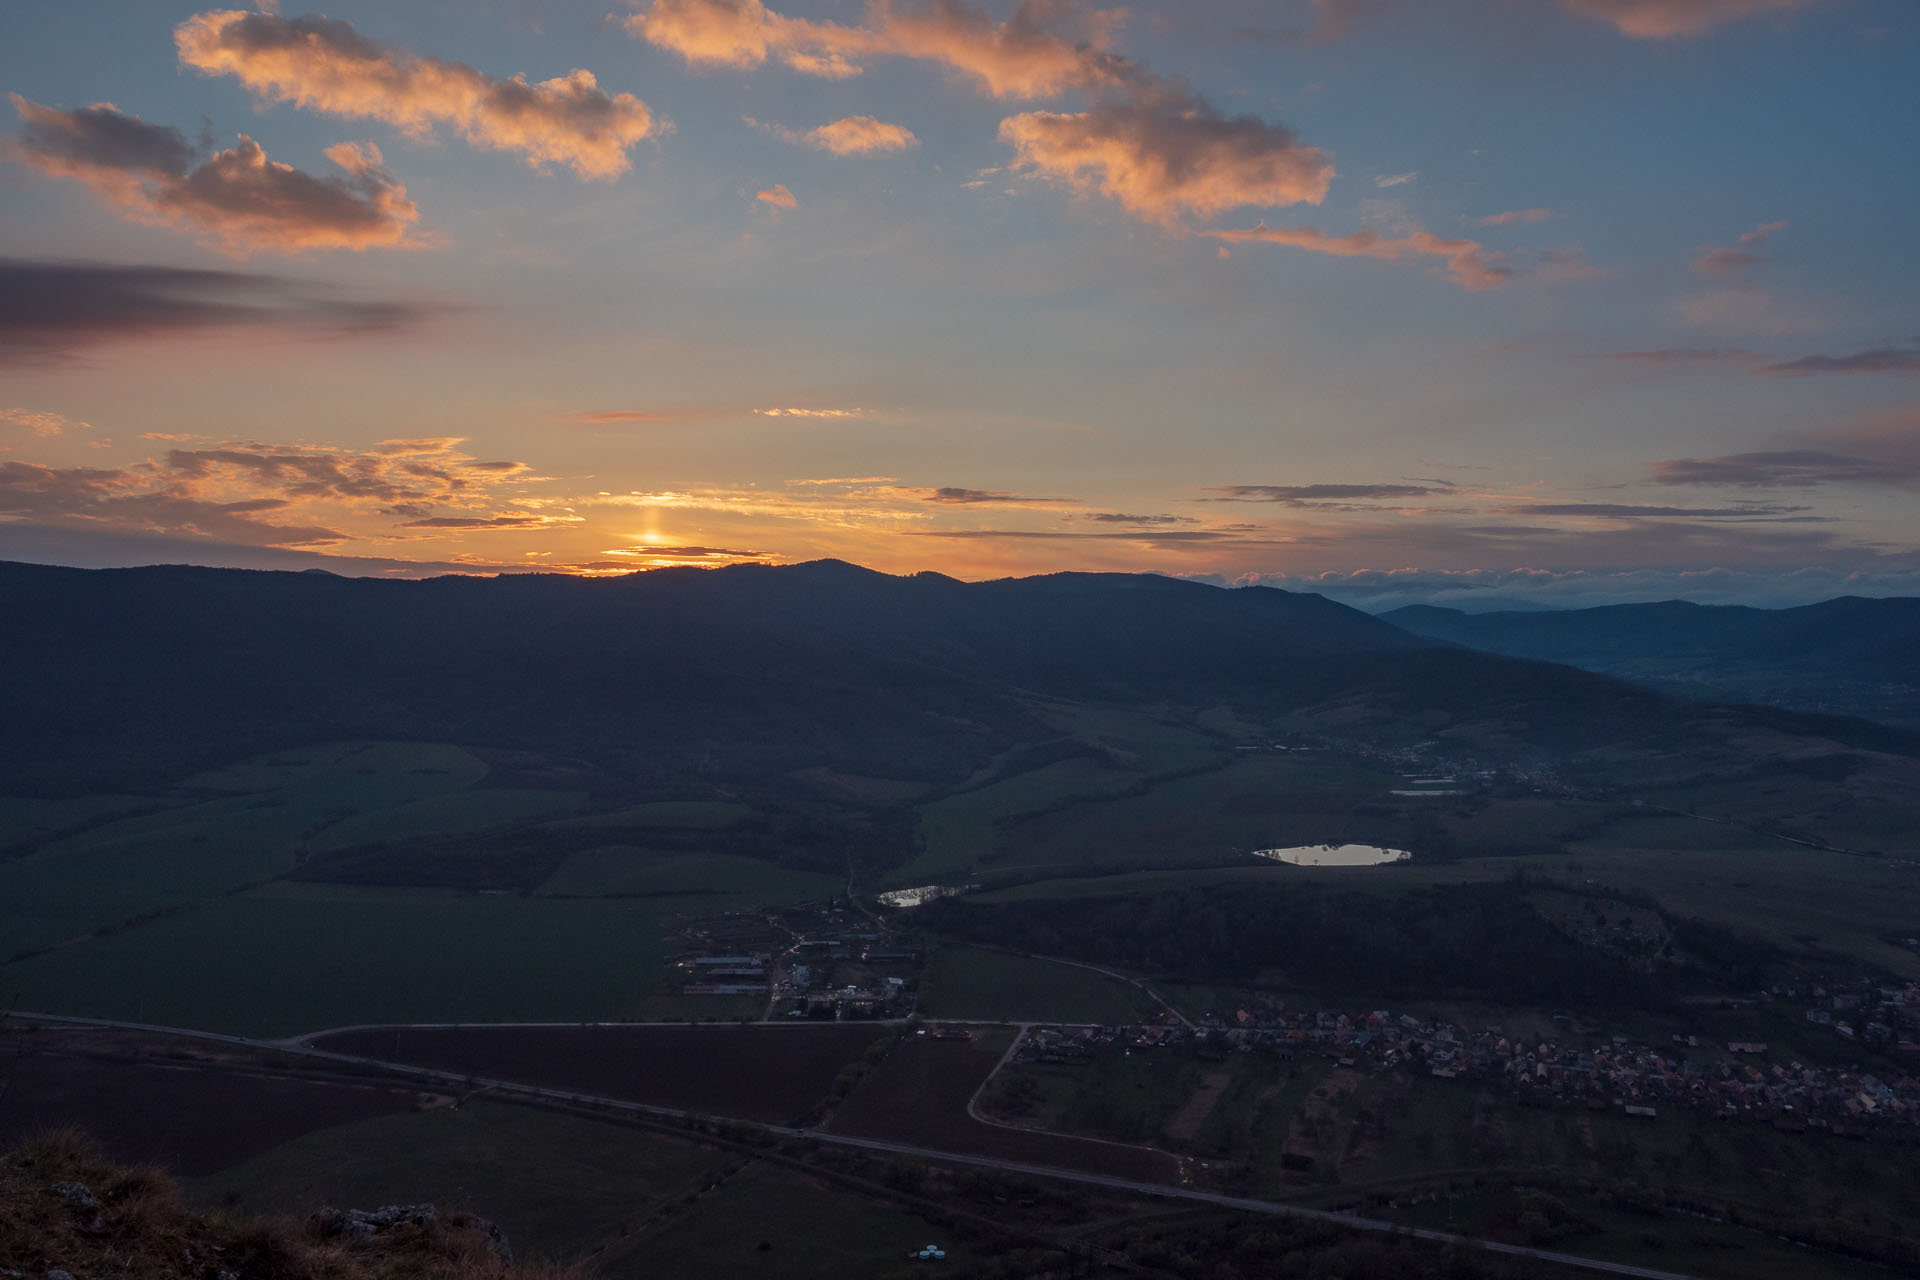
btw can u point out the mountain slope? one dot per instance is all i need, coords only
(138, 676)
(1848, 656)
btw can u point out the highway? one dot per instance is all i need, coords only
(510, 1088)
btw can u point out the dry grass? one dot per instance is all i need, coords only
(64, 1206)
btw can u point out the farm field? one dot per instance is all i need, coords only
(778, 1224)
(558, 1185)
(222, 830)
(193, 1120)
(919, 1095)
(713, 881)
(1178, 1101)
(571, 1190)
(973, 983)
(291, 958)
(959, 832)
(778, 1074)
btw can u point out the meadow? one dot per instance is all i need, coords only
(709, 881)
(291, 958)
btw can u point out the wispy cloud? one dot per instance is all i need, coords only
(778, 196)
(1737, 259)
(1469, 264)
(323, 64)
(1295, 494)
(1664, 19)
(1513, 218)
(53, 310)
(1786, 468)
(958, 497)
(1396, 179)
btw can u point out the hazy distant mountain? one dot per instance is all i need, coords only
(124, 676)
(1850, 656)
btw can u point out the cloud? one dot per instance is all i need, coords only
(989, 498)
(50, 310)
(1689, 355)
(1469, 264)
(1150, 143)
(1787, 468)
(745, 34)
(1161, 158)
(480, 522)
(1736, 259)
(1513, 218)
(811, 413)
(323, 64)
(1117, 517)
(127, 500)
(1629, 511)
(625, 415)
(1025, 57)
(236, 198)
(41, 422)
(247, 492)
(1663, 19)
(859, 136)
(1900, 358)
(1292, 494)
(778, 196)
(1396, 179)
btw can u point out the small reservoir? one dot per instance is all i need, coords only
(1334, 855)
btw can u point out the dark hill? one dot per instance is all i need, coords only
(1849, 656)
(119, 677)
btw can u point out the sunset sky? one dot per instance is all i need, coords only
(1572, 301)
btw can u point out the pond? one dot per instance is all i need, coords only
(1334, 855)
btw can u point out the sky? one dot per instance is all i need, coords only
(1475, 302)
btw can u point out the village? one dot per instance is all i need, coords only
(1584, 1067)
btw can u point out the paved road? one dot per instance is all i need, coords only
(1158, 1190)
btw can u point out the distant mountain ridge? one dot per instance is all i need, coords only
(135, 676)
(1847, 656)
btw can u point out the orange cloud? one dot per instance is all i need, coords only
(323, 64)
(778, 196)
(1162, 158)
(238, 198)
(1023, 57)
(41, 422)
(861, 135)
(1663, 19)
(1018, 58)
(745, 33)
(1469, 264)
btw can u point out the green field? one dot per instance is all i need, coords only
(968, 982)
(227, 829)
(295, 957)
(459, 813)
(1133, 747)
(711, 881)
